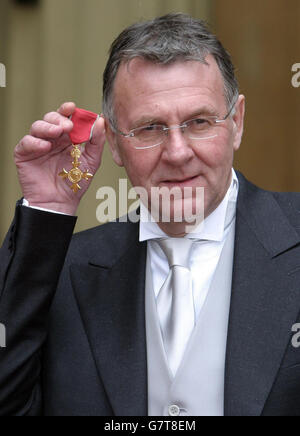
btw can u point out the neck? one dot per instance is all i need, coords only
(174, 230)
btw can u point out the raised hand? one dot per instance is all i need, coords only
(42, 155)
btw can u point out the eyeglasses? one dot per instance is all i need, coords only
(199, 128)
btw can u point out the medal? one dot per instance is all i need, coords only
(82, 132)
(75, 175)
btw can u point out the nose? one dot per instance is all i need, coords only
(176, 149)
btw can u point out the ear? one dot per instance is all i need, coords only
(112, 140)
(238, 119)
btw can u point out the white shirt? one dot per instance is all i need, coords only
(206, 252)
(26, 204)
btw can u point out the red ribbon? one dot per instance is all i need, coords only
(84, 122)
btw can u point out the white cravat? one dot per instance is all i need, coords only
(175, 302)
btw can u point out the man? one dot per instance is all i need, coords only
(148, 318)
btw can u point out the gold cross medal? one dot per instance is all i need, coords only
(82, 132)
(75, 175)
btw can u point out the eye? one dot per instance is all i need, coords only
(150, 128)
(199, 124)
(148, 132)
(200, 121)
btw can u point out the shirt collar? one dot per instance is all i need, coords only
(213, 227)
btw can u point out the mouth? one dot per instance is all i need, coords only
(180, 183)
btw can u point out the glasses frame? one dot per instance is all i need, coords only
(166, 129)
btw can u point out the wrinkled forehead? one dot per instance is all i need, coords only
(140, 81)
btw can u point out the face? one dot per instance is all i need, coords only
(147, 93)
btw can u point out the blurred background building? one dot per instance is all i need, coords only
(56, 51)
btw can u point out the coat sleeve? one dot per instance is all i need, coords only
(31, 260)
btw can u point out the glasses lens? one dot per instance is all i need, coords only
(201, 128)
(149, 136)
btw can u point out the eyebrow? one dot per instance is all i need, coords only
(204, 110)
(145, 121)
(148, 120)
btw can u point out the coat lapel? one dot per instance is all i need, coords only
(112, 305)
(265, 300)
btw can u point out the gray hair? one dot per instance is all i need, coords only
(166, 40)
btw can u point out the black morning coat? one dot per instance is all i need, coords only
(74, 311)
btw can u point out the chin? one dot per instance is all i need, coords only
(180, 211)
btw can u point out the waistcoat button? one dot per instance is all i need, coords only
(174, 410)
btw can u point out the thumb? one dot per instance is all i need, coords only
(96, 144)
(67, 109)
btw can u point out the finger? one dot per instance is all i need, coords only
(56, 118)
(98, 139)
(67, 109)
(59, 120)
(98, 134)
(44, 130)
(30, 148)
